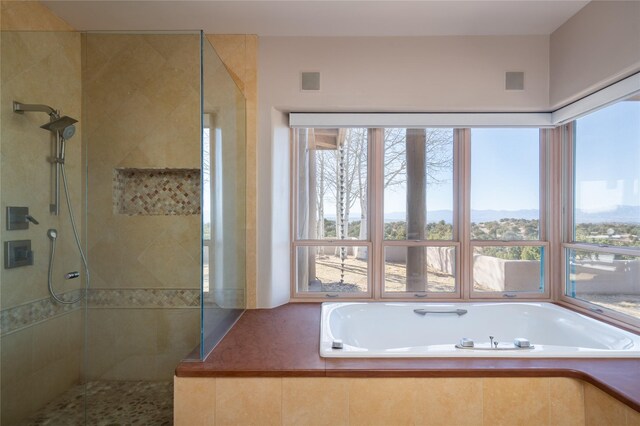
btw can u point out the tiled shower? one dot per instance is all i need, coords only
(165, 280)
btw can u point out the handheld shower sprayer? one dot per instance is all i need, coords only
(63, 129)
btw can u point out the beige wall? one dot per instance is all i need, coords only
(142, 110)
(432, 401)
(375, 74)
(404, 73)
(41, 356)
(596, 47)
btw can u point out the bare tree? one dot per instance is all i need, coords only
(341, 176)
(428, 153)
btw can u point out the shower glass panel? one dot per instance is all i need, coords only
(41, 340)
(223, 194)
(156, 178)
(142, 109)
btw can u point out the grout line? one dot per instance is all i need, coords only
(482, 398)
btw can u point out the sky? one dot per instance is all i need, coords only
(608, 158)
(504, 173)
(505, 169)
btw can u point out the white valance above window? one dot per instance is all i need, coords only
(613, 93)
(418, 120)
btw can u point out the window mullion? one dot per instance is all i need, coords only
(463, 197)
(568, 138)
(376, 138)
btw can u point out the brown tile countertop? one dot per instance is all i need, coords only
(285, 342)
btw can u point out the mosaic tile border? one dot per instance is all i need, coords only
(144, 298)
(156, 191)
(227, 298)
(23, 316)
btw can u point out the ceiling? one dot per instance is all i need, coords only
(322, 18)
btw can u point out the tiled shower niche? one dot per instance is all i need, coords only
(156, 191)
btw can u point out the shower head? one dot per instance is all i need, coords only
(63, 125)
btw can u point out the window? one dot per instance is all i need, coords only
(507, 235)
(602, 248)
(378, 213)
(418, 245)
(331, 187)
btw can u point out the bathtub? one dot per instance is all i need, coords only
(380, 330)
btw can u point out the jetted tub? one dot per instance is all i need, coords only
(380, 330)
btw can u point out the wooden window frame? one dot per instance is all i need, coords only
(567, 138)
(543, 235)
(461, 230)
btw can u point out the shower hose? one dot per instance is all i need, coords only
(53, 246)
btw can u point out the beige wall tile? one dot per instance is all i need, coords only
(141, 97)
(316, 401)
(516, 401)
(51, 342)
(54, 379)
(250, 401)
(438, 401)
(100, 343)
(121, 344)
(41, 63)
(138, 367)
(566, 397)
(633, 417)
(239, 53)
(601, 409)
(19, 402)
(170, 263)
(29, 16)
(178, 330)
(35, 367)
(251, 67)
(15, 360)
(28, 59)
(382, 401)
(194, 401)
(231, 50)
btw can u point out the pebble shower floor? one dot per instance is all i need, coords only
(110, 403)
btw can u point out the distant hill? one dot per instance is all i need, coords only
(623, 214)
(477, 216)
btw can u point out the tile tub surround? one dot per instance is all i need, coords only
(396, 401)
(284, 342)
